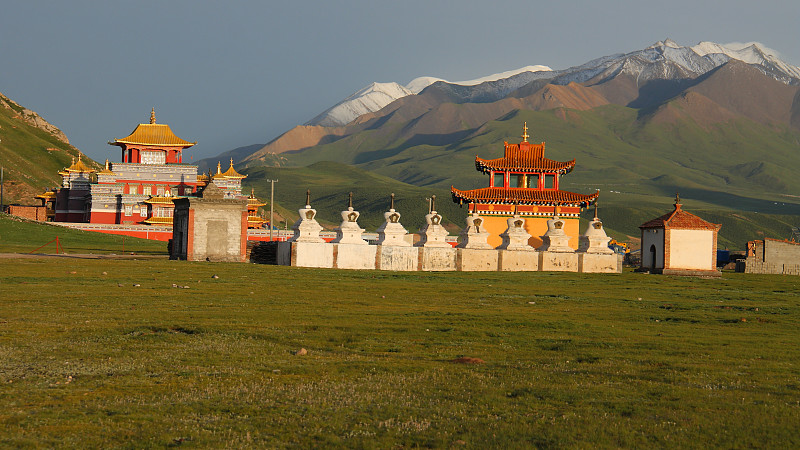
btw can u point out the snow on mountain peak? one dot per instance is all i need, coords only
(418, 84)
(663, 60)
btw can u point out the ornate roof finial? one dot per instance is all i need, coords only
(252, 192)
(308, 198)
(350, 202)
(231, 162)
(391, 203)
(153, 116)
(433, 203)
(525, 132)
(219, 167)
(677, 198)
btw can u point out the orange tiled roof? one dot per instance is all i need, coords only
(153, 134)
(522, 196)
(524, 157)
(679, 218)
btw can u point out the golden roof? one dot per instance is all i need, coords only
(47, 195)
(107, 169)
(254, 202)
(232, 173)
(166, 200)
(78, 166)
(153, 134)
(219, 171)
(159, 221)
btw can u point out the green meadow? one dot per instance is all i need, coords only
(159, 353)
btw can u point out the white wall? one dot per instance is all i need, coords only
(692, 249)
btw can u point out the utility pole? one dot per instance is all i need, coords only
(271, 203)
(2, 186)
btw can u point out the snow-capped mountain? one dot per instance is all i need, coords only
(668, 60)
(664, 60)
(377, 95)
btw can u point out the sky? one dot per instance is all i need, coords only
(235, 73)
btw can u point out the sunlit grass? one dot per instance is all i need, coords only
(89, 359)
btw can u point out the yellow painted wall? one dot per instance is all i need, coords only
(536, 226)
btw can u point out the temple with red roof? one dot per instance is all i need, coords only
(523, 180)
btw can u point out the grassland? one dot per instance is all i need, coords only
(24, 236)
(158, 353)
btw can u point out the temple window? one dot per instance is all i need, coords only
(499, 179)
(128, 210)
(150, 157)
(147, 190)
(518, 180)
(160, 191)
(143, 210)
(533, 180)
(549, 181)
(133, 189)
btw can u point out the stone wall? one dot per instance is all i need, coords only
(771, 256)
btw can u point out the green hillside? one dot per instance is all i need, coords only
(330, 183)
(616, 148)
(31, 156)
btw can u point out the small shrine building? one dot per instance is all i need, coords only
(523, 180)
(679, 243)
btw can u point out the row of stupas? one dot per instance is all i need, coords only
(140, 188)
(394, 249)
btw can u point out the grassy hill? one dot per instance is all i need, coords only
(32, 152)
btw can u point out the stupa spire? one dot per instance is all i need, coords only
(153, 116)
(525, 132)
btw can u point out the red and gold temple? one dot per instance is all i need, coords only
(525, 181)
(139, 190)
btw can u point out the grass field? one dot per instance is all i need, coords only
(25, 236)
(111, 354)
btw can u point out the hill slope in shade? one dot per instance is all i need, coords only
(32, 152)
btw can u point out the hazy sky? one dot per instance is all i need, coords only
(228, 74)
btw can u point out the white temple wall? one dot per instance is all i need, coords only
(599, 263)
(401, 259)
(437, 258)
(691, 249)
(518, 261)
(558, 262)
(477, 260)
(354, 256)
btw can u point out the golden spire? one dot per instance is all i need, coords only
(152, 116)
(231, 162)
(219, 167)
(525, 132)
